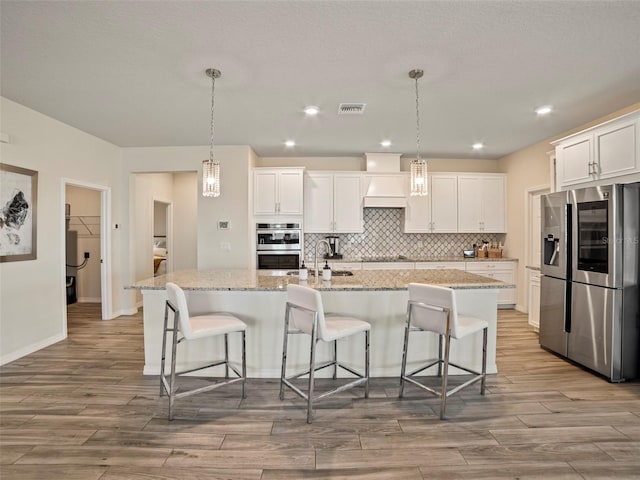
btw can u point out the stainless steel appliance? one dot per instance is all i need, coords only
(600, 299)
(278, 246)
(555, 284)
(334, 242)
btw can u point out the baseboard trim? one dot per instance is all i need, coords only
(34, 347)
(89, 300)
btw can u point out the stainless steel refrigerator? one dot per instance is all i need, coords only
(599, 304)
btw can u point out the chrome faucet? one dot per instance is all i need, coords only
(326, 242)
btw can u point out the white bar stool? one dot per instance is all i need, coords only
(305, 315)
(433, 309)
(191, 328)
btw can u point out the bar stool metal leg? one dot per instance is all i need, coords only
(244, 364)
(403, 368)
(335, 359)
(164, 347)
(283, 371)
(366, 363)
(174, 348)
(312, 368)
(226, 355)
(484, 360)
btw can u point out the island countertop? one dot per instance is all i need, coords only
(261, 280)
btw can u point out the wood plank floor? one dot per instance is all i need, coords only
(81, 409)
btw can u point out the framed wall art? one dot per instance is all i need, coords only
(18, 207)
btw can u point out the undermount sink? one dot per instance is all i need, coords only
(334, 273)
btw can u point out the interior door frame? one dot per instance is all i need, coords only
(105, 245)
(530, 193)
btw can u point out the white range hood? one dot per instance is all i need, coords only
(388, 187)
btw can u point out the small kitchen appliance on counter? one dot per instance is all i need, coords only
(333, 243)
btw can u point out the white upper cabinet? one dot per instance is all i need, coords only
(333, 202)
(436, 212)
(278, 191)
(605, 152)
(481, 203)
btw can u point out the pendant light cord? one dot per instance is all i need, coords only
(213, 89)
(417, 121)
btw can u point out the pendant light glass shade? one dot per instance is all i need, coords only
(211, 167)
(210, 178)
(418, 177)
(419, 165)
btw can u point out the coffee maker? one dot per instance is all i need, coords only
(334, 244)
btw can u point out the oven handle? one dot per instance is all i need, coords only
(271, 232)
(278, 252)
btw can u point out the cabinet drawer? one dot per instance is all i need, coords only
(388, 266)
(345, 266)
(487, 266)
(440, 265)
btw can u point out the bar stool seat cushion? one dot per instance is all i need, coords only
(339, 326)
(215, 324)
(469, 325)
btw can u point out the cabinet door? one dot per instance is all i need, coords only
(534, 300)
(417, 214)
(469, 204)
(615, 149)
(493, 211)
(318, 203)
(347, 204)
(575, 159)
(443, 193)
(290, 195)
(264, 192)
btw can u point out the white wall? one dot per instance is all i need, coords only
(32, 293)
(232, 205)
(185, 212)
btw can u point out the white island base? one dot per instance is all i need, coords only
(263, 312)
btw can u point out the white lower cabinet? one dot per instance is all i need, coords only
(534, 299)
(500, 270)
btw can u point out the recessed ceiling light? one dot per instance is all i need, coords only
(385, 143)
(311, 110)
(543, 110)
(478, 146)
(290, 143)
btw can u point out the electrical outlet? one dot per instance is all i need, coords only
(225, 246)
(86, 255)
(420, 244)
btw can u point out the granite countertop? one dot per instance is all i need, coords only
(403, 258)
(262, 280)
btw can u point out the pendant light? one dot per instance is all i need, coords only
(419, 165)
(211, 167)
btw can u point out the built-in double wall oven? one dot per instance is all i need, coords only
(278, 246)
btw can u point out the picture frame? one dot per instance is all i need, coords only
(18, 213)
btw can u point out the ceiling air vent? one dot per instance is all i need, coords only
(351, 108)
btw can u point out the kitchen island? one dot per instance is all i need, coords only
(259, 297)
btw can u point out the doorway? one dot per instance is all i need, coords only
(162, 237)
(86, 242)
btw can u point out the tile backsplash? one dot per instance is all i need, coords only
(383, 237)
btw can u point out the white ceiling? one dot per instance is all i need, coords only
(132, 72)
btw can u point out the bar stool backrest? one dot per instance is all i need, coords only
(438, 300)
(177, 297)
(312, 300)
